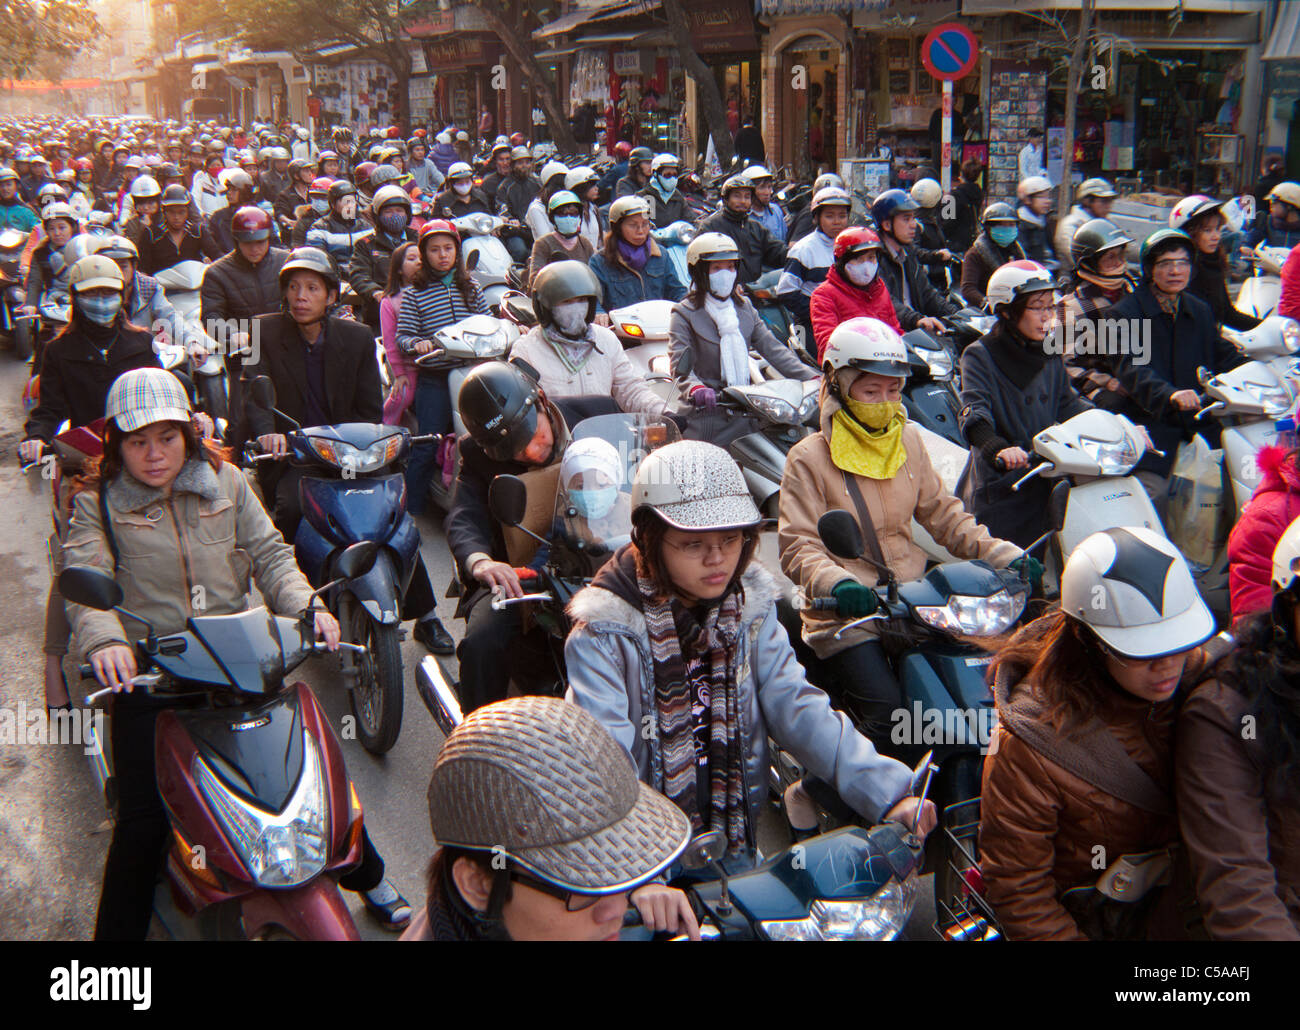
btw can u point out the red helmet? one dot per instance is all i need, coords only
(518, 139)
(853, 241)
(393, 132)
(321, 184)
(622, 150)
(82, 164)
(362, 172)
(250, 225)
(438, 226)
(420, 133)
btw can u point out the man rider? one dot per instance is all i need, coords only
(324, 373)
(809, 259)
(178, 238)
(339, 231)
(1092, 199)
(238, 188)
(513, 197)
(143, 300)
(288, 202)
(667, 204)
(757, 246)
(460, 196)
(639, 167)
(500, 170)
(916, 302)
(422, 170)
(764, 209)
(367, 269)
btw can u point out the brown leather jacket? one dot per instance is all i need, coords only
(1242, 838)
(1041, 824)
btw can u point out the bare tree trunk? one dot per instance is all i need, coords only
(715, 113)
(1081, 41)
(519, 44)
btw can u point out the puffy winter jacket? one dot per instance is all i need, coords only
(1289, 303)
(234, 288)
(835, 300)
(604, 370)
(1273, 506)
(337, 238)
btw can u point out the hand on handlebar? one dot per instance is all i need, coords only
(274, 444)
(854, 600)
(704, 397)
(114, 667)
(602, 318)
(932, 325)
(1029, 567)
(30, 450)
(664, 908)
(327, 630)
(498, 577)
(905, 812)
(1013, 458)
(1185, 400)
(425, 347)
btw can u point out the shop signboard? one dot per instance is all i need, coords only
(722, 26)
(1283, 81)
(627, 62)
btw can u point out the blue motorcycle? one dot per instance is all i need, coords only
(353, 490)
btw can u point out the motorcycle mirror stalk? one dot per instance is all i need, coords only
(508, 502)
(355, 561)
(262, 390)
(84, 585)
(839, 532)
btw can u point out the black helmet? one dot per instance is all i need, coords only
(1161, 242)
(311, 259)
(175, 195)
(1000, 212)
(498, 403)
(562, 281)
(339, 189)
(296, 166)
(1094, 236)
(640, 154)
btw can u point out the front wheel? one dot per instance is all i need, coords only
(24, 339)
(377, 689)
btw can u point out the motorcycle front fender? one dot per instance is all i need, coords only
(380, 590)
(313, 912)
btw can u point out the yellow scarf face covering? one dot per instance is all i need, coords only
(877, 453)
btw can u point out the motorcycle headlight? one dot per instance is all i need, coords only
(279, 849)
(1275, 398)
(773, 407)
(974, 616)
(488, 345)
(357, 459)
(659, 365)
(1291, 335)
(685, 234)
(1112, 458)
(878, 918)
(808, 408)
(940, 362)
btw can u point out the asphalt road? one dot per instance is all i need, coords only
(54, 831)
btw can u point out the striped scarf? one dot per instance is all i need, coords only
(676, 636)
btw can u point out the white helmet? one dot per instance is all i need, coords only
(60, 210)
(927, 192)
(664, 161)
(1286, 557)
(756, 173)
(386, 195)
(868, 345)
(627, 206)
(459, 170)
(1192, 207)
(1033, 185)
(1133, 589)
(577, 176)
(1014, 280)
(711, 246)
(694, 485)
(830, 196)
(552, 168)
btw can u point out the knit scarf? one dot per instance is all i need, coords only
(735, 353)
(636, 257)
(678, 641)
(1111, 285)
(574, 352)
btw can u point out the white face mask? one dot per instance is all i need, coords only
(348, 208)
(862, 271)
(571, 316)
(722, 282)
(462, 187)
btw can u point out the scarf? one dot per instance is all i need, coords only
(636, 257)
(1025, 215)
(574, 352)
(1016, 357)
(862, 451)
(677, 641)
(1111, 285)
(734, 351)
(1168, 301)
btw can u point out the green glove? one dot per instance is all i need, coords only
(1029, 567)
(853, 599)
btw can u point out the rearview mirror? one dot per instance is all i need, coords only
(704, 849)
(357, 560)
(508, 500)
(262, 390)
(90, 588)
(471, 262)
(839, 532)
(682, 363)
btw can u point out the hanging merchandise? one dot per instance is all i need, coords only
(589, 82)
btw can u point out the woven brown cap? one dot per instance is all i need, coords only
(543, 781)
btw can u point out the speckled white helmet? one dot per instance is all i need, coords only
(1286, 557)
(695, 486)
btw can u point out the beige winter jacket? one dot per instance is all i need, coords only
(190, 554)
(605, 371)
(812, 486)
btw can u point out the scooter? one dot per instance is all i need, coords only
(642, 329)
(181, 285)
(486, 258)
(19, 328)
(930, 394)
(673, 239)
(354, 491)
(1259, 295)
(925, 627)
(762, 292)
(264, 817)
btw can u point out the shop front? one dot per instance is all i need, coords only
(726, 39)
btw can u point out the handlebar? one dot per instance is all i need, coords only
(498, 602)
(1015, 487)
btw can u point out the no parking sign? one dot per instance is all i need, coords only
(950, 51)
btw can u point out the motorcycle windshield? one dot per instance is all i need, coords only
(185, 276)
(593, 506)
(250, 651)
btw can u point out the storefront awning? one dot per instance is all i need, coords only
(1284, 43)
(639, 38)
(575, 18)
(787, 8)
(335, 50)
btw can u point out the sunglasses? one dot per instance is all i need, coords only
(574, 901)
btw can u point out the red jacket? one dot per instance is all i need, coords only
(836, 301)
(1274, 505)
(1289, 304)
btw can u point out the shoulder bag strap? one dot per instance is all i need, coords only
(864, 523)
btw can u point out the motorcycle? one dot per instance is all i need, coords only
(180, 285)
(264, 817)
(642, 329)
(354, 491)
(673, 239)
(925, 628)
(762, 292)
(931, 394)
(1259, 295)
(21, 329)
(575, 549)
(486, 258)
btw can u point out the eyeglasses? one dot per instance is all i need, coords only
(1049, 306)
(1173, 264)
(574, 901)
(698, 549)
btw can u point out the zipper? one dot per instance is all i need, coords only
(185, 556)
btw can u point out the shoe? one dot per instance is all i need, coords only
(390, 909)
(430, 632)
(63, 681)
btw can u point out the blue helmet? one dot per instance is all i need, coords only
(890, 203)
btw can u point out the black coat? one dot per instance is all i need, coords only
(964, 226)
(76, 375)
(1178, 348)
(1208, 283)
(157, 251)
(233, 288)
(926, 300)
(367, 269)
(352, 388)
(758, 248)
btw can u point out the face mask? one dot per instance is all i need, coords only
(567, 225)
(348, 208)
(320, 206)
(594, 504)
(722, 282)
(1003, 235)
(876, 415)
(462, 188)
(100, 310)
(392, 222)
(862, 272)
(571, 316)
(669, 183)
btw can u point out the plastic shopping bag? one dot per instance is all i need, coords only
(1195, 521)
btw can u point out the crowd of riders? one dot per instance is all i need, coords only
(1118, 722)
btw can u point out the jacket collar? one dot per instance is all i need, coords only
(196, 477)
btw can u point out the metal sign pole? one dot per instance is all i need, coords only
(945, 147)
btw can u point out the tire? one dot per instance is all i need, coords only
(24, 339)
(376, 696)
